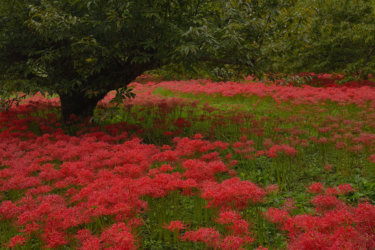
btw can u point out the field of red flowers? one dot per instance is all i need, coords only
(194, 165)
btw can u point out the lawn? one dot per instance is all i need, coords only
(194, 165)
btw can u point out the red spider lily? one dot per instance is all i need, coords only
(345, 188)
(233, 222)
(316, 188)
(232, 192)
(87, 240)
(200, 170)
(210, 236)
(343, 228)
(235, 242)
(118, 237)
(273, 188)
(372, 158)
(67, 182)
(17, 240)
(175, 225)
(275, 149)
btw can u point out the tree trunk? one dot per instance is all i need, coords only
(78, 104)
(120, 75)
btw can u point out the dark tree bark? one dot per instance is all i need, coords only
(77, 103)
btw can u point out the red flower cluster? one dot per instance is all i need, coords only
(71, 181)
(372, 158)
(66, 183)
(237, 236)
(275, 150)
(16, 240)
(318, 188)
(232, 193)
(304, 95)
(335, 225)
(175, 225)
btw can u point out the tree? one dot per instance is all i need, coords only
(81, 49)
(240, 39)
(329, 36)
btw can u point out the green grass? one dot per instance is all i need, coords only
(227, 119)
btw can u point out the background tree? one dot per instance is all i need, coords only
(238, 40)
(328, 36)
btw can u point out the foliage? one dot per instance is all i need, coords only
(233, 43)
(83, 49)
(91, 45)
(328, 36)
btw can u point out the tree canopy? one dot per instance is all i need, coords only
(81, 49)
(330, 36)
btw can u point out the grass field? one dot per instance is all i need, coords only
(193, 165)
